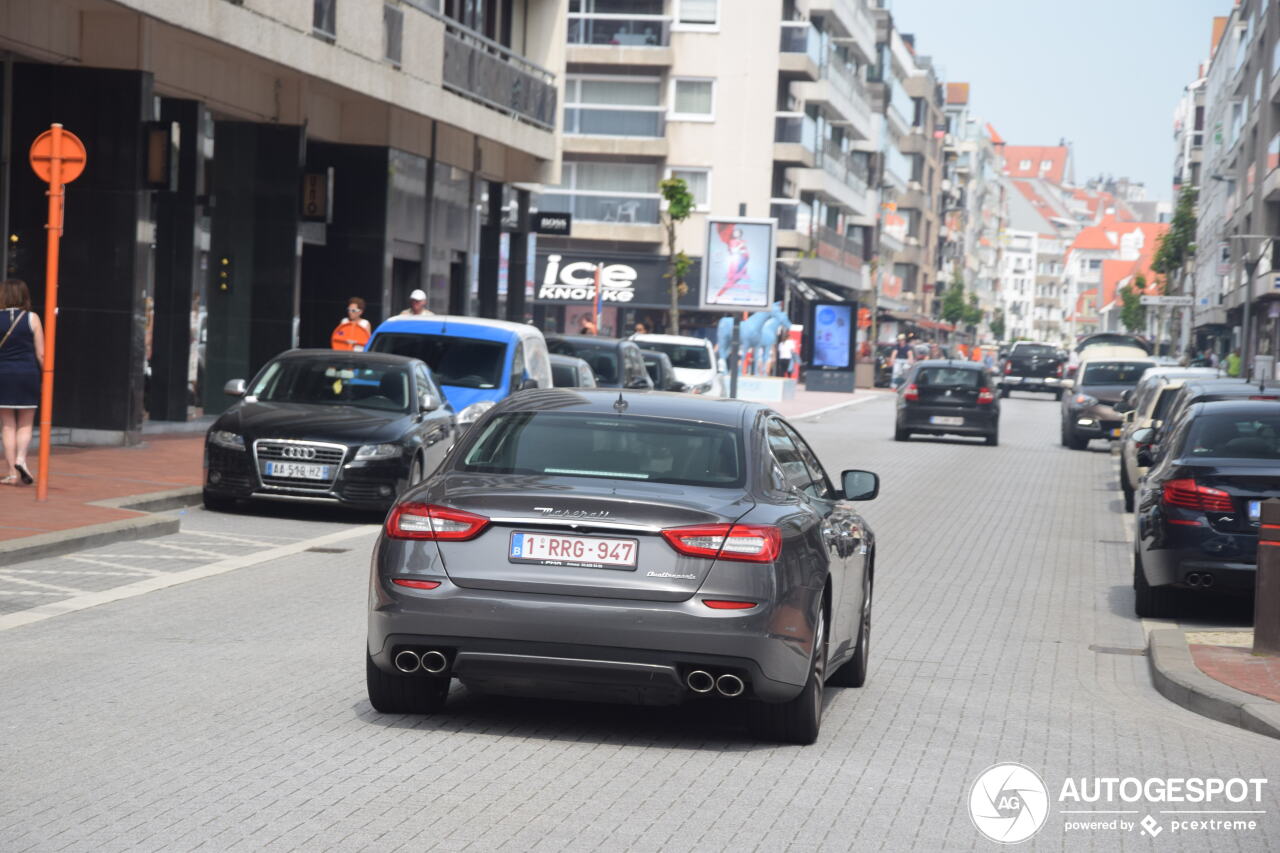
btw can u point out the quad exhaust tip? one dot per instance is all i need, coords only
(407, 661)
(730, 685)
(434, 662)
(700, 681)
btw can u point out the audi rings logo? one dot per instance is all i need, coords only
(292, 452)
(1008, 803)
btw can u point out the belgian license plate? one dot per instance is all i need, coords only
(1255, 510)
(586, 552)
(1115, 433)
(297, 470)
(943, 420)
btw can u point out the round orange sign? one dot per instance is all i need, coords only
(70, 151)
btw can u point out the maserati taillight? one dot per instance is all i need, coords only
(428, 521)
(755, 543)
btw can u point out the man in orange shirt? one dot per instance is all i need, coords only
(354, 331)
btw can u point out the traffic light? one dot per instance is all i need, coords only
(224, 274)
(15, 256)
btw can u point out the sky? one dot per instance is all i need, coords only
(1105, 75)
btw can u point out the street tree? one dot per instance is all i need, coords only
(997, 324)
(1133, 314)
(954, 308)
(1177, 245)
(679, 206)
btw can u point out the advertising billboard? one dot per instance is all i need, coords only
(738, 264)
(832, 336)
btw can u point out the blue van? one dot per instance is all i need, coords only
(476, 362)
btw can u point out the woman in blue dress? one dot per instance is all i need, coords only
(21, 357)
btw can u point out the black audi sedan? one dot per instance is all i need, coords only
(948, 398)
(349, 428)
(637, 547)
(1198, 508)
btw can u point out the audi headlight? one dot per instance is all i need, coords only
(472, 413)
(378, 451)
(226, 438)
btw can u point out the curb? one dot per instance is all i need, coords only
(59, 542)
(1180, 681)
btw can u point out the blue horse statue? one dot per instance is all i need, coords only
(757, 335)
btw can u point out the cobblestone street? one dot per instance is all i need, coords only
(229, 712)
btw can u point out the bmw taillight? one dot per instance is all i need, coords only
(912, 394)
(1008, 367)
(985, 396)
(754, 543)
(1057, 371)
(428, 521)
(1188, 494)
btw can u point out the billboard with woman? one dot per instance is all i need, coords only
(738, 264)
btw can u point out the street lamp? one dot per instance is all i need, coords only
(1250, 265)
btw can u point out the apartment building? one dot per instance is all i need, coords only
(252, 164)
(763, 115)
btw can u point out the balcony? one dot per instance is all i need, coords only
(607, 216)
(795, 139)
(801, 50)
(483, 70)
(1271, 184)
(854, 27)
(604, 39)
(843, 94)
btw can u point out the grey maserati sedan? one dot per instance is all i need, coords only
(629, 546)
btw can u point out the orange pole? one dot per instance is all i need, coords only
(54, 227)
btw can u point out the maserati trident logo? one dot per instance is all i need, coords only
(295, 452)
(572, 513)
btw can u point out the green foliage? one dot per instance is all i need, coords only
(680, 204)
(973, 313)
(997, 325)
(1177, 245)
(1133, 314)
(954, 308)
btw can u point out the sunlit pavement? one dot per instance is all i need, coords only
(230, 710)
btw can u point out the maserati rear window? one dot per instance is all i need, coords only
(612, 447)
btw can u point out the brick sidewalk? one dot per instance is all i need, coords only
(1238, 667)
(84, 475)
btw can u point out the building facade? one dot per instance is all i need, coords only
(252, 164)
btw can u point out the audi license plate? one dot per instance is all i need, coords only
(942, 420)
(297, 471)
(585, 552)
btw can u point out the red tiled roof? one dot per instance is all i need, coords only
(1215, 37)
(1055, 155)
(957, 93)
(1094, 237)
(1113, 273)
(996, 138)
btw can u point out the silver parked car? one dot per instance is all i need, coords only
(633, 546)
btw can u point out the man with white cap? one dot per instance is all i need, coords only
(417, 304)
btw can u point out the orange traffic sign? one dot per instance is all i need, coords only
(70, 151)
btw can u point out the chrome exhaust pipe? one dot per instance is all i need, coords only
(434, 662)
(1206, 580)
(1193, 579)
(407, 661)
(730, 685)
(700, 682)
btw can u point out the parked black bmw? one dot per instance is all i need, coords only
(948, 398)
(346, 428)
(1198, 508)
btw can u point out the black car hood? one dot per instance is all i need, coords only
(318, 422)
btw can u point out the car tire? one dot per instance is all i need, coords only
(900, 434)
(404, 694)
(993, 439)
(798, 720)
(1073, 441)
(217, 503)
(1126, 489)
(1151, 602)
(853, 672)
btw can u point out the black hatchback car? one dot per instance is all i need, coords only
(616, 363)
(948, 398)
(635, 547)
(1199, 506)
(350, 428)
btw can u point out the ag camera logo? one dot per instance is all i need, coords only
(1008, 803)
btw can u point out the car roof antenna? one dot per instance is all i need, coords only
(619, 405)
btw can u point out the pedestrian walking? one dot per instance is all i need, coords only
(786, 352)
(417, 305)
(903, 358)
(21, 359)
(353, 332)
(1233, 363)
